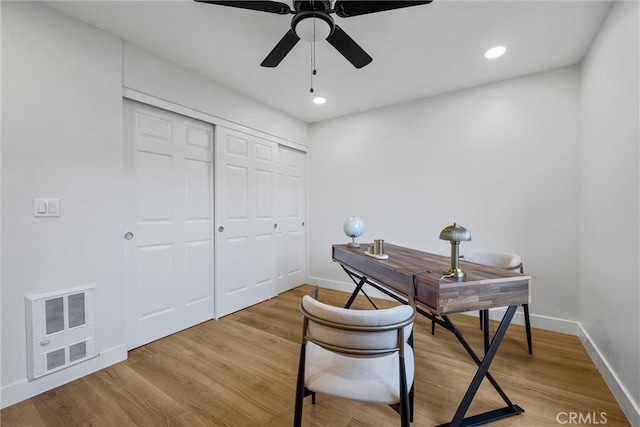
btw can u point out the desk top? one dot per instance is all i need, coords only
(483, 287)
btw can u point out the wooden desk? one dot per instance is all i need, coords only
(412, 272)
(484, 287)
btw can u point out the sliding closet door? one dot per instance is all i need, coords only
(169, 249)
(246, 220)
(291, 208)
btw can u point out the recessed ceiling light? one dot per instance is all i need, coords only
(319, 100)
(495, 52)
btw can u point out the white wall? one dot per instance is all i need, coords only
(498, 159)
(62, 87)
(609, 291)
(152, 75)
(61, 138)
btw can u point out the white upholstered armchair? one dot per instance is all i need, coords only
(363, 355)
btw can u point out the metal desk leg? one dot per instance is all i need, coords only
(353, 296)
(485, 320)
(359, 285)
(483, 371)
(527, 326)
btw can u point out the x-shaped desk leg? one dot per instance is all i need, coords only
(359, 284)
(483, 364)
(482, 372)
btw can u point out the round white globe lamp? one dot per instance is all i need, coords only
(353, 227)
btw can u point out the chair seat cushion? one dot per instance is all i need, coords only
(374, 380)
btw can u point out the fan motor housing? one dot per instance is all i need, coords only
(312, 25)
(301, 5)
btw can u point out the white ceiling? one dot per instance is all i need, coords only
(417, 52)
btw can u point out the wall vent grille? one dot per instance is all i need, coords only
(60, 330)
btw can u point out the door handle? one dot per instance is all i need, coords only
(128, 235)
(275, 225)
(221, 229)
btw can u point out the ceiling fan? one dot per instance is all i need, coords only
(312, 21)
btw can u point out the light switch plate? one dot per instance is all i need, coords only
(46, 207)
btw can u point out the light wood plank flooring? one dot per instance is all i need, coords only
(241, 371)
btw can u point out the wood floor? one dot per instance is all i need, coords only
(240, 371)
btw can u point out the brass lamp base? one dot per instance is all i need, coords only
(455, 272)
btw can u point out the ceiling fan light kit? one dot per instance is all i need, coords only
(312, 26)
(312, 22)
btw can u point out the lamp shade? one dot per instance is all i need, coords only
(455, 233)
(312, 26)
(312, 29)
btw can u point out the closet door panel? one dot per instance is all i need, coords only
(168, 254)
(246, 221)
(292, 217)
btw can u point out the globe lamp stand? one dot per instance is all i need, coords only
(353, 227)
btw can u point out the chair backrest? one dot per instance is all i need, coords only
(356, 331)
(504, 260)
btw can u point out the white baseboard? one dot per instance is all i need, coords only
(622, 395)
(547, 323)
(21, 390)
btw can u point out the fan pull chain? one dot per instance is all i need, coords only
(313, 65)
(313, 57)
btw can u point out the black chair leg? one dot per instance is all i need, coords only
(411, 391)
(485, 320)
(527, 324)
(405, 405)
(411, 402)
(404, 414)
(300, 389)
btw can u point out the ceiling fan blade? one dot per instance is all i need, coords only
(283, 47)
(260, 6)
(347, 8)
(348, 48)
